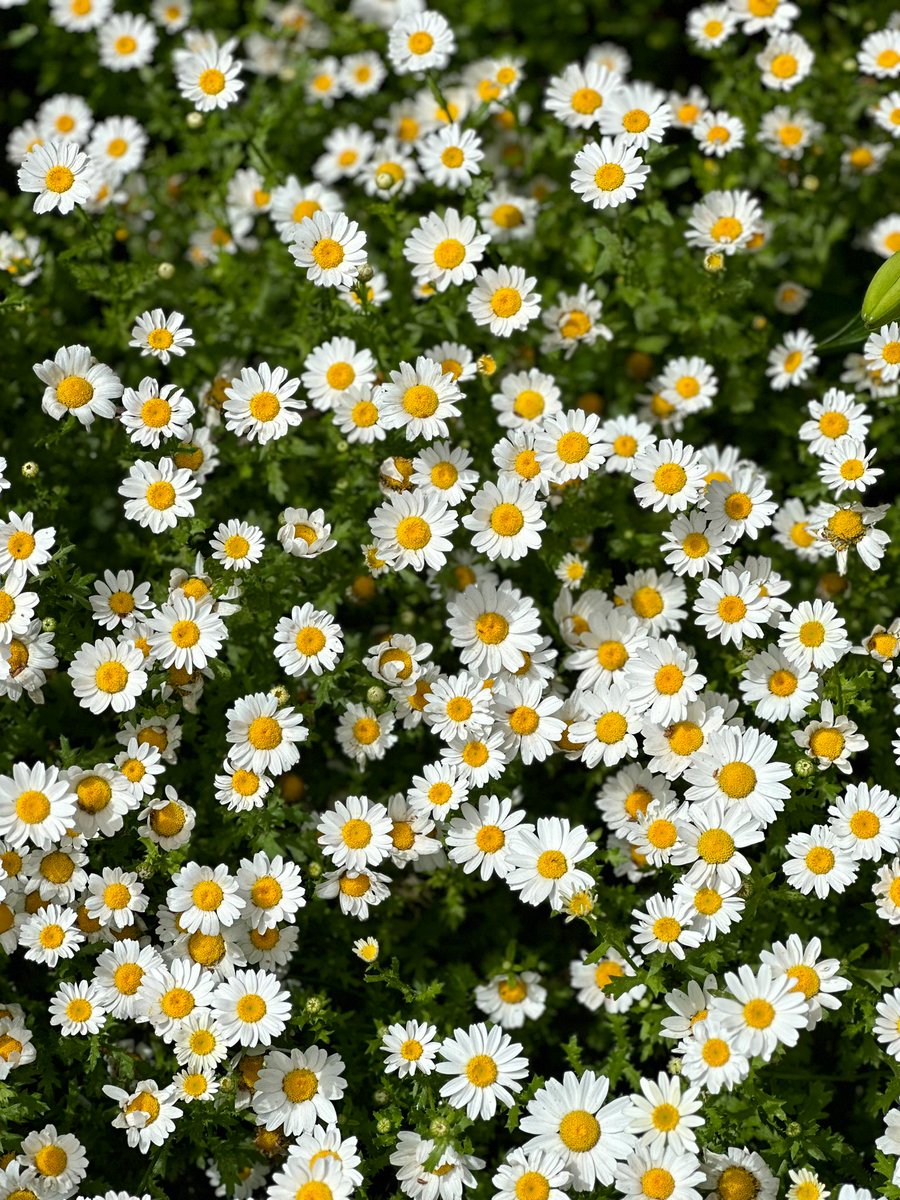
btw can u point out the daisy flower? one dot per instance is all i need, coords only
(486, 1066)
(305, 534)
(537, 1173)
(356, 834)
(693, 546)
(731, 607)
(419, 399)
(209, 77)
(330, 248)
(262, 736)
(711, 25)
(154, 412)
(830, 741)
(814, 635)
(262, 404)
(161, 336)
(879, 54)
(115, 897)
(504, 300)
(205, 898)
(445, 251)
(653, 1169)
(542, 860)
(77, 1010)
(506, 519)
(763, 1010)
(59, 175)
(409, 1049)
(78, 16)
(413, 530)
(851, 526)
(356, 891)
(49, 935)
(638, 113)
(655, 599)
(717, 133)
(126, 41)
(237, 545)
(606, 731)
(76, 383)
(785, 61)
(711, 1059)
(571, 1120)
(507, 216)
(420, 41)
(479, 839)
(576, 97)
(158, 495)
(147, 1114)
(335, 367)
(252, 1008)
(819, 862)
(816, 978)
(58, 1160)
(295, 1092)
(741, 506)
(866, 821)
(308, 640)
(106, 674)
(525, 715)
(363, 735)
(793, 361)
(185, 634)
(451, 157)
(608, 173)
(525, 399)
(779, 688)
(724, 221)
(493, 627)
(736, 768)
(590, 981)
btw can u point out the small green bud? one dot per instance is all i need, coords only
(881, 303)
(793, 1130)
(30, 470)
(375, 694)
(439, 1128)
(49, 624)
(315, 870)
(383, 1125)
(165, 270)
(194, 120)
(381, 1096)
(803, 768)
(365, 272)
(314, 1005)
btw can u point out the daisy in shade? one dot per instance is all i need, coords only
(295, 1092)
(815, 978)
(450, 157)
(510, 1000)
(665, 927)
(543, 860)
(409, 1049)
(445, 250)
(451, 1171)
(413, 530)
(493, 627)
(576, 97)
(262, 736)
(866, 821)
(153, 413)
(59, 175)
(330, 248)
(106, 674)
(158, 495)
(608, 726)
(252, 1008)
(169, 822)
(75, 382)
(479, 838)
(538, 1173)
(569, 1119)
(831, 740)
(591, 980)
(573, 321)
(161, 336)
(736, 768)
(262, 404)
(608, 173)
(662, 680)
(486, 1066)
(731, 607)
(209, 77)
(420, 41)
(663, 1116)
(819, 862)
(763, 1010)
(504, 300)
(652, 1170)
(814, 635)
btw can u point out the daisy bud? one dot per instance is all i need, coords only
(165, 270)
(314, 1004)
(881, 303)
(714, 261)
(384, 180)
(486, 365)
(811, 183)
(383, 1125)
(30, 470)
(803, 768)
(281, 694)
(381, 1096)
(315, 870)
(194, 120)
(375, 694)
(287, 74)
(674, 1066)
(226, 1084)
(365, 271)
(760, 322)
(49, 624)
(439, 1128)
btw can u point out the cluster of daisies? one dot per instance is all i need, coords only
(688, 780)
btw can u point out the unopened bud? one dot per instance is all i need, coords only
(803, 768)
(385, 181)
(365, 272)
(165, 270)
(714, 261)
(49, 624)
(314, 1005)
(30, 470)
(381, 1096)
(194, 120)
(375, 694)
(439, 1128)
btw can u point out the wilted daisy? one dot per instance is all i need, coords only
(504, 300)
(608, 173)
(59, 174)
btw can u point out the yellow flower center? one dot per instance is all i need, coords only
(657, 1183)
(726, 229)
(647, 602)
(782, 683)
(506, 302)
(820, 860)
(579, 1131)
(328, 253)
(608, 177)
(74, 392)
(366, 731)
(552, 864)
(507, 520)
(264, 733)
(827, 743)
(449, 254)
(300, 1085)
(211, 81)
(111, 677)
(737, 780)
(481, 1071)
(59, 179)
(160, 495)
